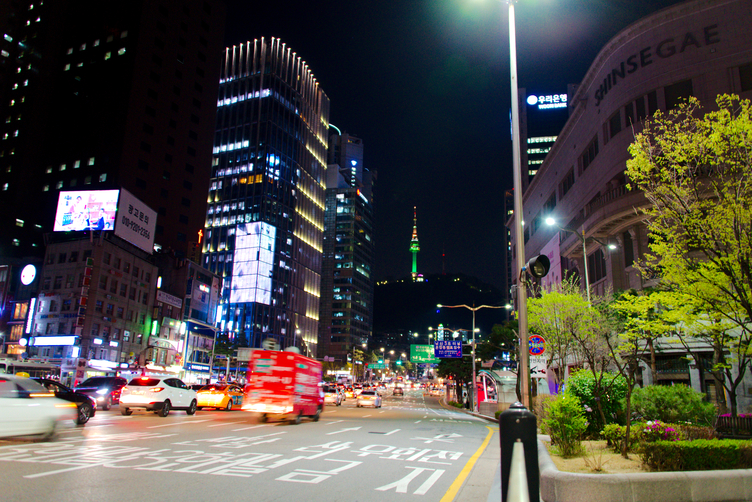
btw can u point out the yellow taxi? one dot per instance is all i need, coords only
(222, 396)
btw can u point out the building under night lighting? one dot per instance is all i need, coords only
(347, 281)
(265, 219)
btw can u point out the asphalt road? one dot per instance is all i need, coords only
(412, 448)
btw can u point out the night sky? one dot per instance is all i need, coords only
(425, 85)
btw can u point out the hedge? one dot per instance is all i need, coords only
(697, 455)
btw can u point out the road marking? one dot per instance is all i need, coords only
(455, 486)
(418, 421)
(343, 430)
(401, 485)
(178, 423)
(253, 427)
(227, 423)
(335, 422)
(366, 416)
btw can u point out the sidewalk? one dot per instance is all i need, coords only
(484, 482)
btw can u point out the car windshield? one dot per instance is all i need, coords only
(144, 382)
(330, 389)
(367, 393)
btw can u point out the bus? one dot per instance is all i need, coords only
(33, 369)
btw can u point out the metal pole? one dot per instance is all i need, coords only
(475, 391)
(584, 259)
(524, 368)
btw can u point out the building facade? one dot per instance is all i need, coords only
(265, 219)
(107, 95)
(696, 48)
(347, 281)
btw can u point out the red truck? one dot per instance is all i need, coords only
(284, 385)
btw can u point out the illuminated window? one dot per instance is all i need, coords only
(107, 55)
(62, 167)
(46, 188)
(16, 242)
(87, 180)
(121, 51)
(59, 185)
(8, 38)
(102, 177)
(91, 161)
(19, 223)
(96, 43)
(4, 53)
(49, 169)
(76, 164)
(82, 48)
(124, 34)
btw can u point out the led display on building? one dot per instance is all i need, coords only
(253, 262)
(86, 210)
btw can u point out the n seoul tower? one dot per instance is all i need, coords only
(414, 245)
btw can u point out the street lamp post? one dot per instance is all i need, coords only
(583, 238)
(474, 309)
(519, 238)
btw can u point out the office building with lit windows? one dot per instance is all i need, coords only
(347, 281)
(265, 218)
(103, 95)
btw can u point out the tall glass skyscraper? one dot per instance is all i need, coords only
(265, 218)
(347, 280)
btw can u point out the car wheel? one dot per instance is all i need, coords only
(298, 418)
(192, 408)
(263, 418)
(229, 405)
(126, 411)
(317, 415)
(165, 409)
(84, 413)
(107, 404)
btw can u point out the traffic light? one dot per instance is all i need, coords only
(538, 266)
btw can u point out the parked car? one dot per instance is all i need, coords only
(221, 396)
(27, 408)
(86, 405)
(332, 395)
(104, 389)
(159, 395)
(369, 398)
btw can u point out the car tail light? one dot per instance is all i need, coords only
(157, 389)
(45, 394)
(66, 405)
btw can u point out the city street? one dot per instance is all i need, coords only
(411, 448)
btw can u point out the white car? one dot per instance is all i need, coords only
(159, 395)
(369, 397)
(332, 395)
(27, 408)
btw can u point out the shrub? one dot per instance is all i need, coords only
(582, 384)
(659, 431)
(565, 424)
(455, 404)
(697, 455)
(672, 403)
(614, 435)
(539, 407)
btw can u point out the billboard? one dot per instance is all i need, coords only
(136, 222)
(448, 348)
(86, 210)
(253, 262)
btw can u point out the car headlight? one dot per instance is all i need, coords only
(102, 392)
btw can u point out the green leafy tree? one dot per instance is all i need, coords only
(696, 173)
(605, 392)
(575, 331)
(672, 404)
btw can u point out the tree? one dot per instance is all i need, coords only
(574, 331)
(696, 173)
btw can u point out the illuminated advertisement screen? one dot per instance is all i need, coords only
(86, 210)
(253, 261)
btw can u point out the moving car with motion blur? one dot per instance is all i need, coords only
(369, 398)
(284, 384)
(27, 408)
(85, 405)
(398, 391)
(332, 395)
(222, 396)
(159, 395)
(104, 389)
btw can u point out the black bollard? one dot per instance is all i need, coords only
(517, 423)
